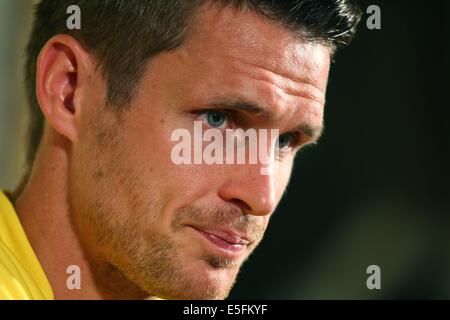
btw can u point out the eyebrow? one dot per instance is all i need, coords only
(240, 105)
(312, 132)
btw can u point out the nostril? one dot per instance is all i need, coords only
(241, 204)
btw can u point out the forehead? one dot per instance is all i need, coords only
(243, 36)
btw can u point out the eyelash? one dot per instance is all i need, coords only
(228, 113)
(231, 117)
(296, 139)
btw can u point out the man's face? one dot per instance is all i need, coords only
(164, 226)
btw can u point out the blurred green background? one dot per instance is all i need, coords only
(15, 19)
(374, 191)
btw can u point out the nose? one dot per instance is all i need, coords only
(249, 189)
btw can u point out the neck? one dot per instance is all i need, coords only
(43, 209)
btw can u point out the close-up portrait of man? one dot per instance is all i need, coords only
(102, 205)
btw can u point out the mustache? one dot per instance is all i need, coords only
(221, 216)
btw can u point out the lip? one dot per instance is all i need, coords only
(227, 241)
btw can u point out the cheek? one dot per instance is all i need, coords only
(150, 148)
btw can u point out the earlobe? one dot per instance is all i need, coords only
(57, 82)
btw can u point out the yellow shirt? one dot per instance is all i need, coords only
(21, 275)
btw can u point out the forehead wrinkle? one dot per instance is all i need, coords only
(306, 92)
(279, 102)
(290, 58)
(297, 85)
(275, 101)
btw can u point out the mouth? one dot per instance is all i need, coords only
(229, 243)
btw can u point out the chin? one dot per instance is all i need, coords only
(208, 282)
(203, 282)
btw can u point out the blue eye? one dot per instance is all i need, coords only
(216, 119)
(284, 141)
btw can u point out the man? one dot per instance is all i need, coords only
(103, 196)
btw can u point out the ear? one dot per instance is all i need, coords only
(62, 71)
